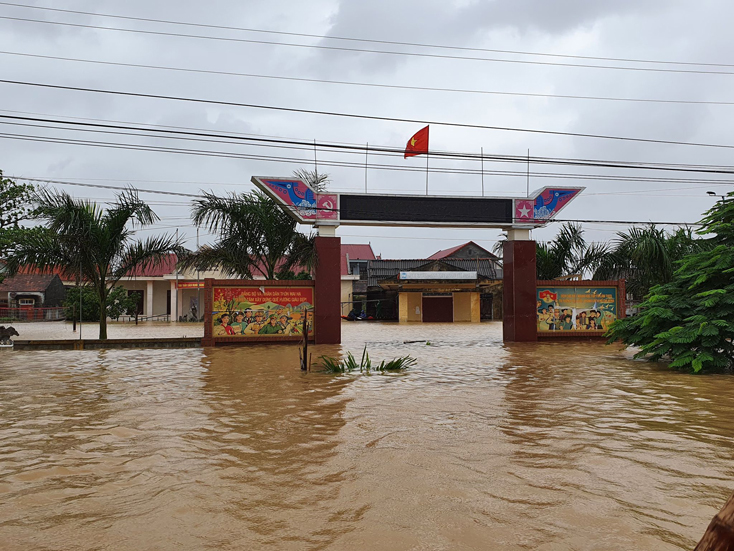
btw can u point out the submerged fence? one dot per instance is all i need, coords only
(32, 314)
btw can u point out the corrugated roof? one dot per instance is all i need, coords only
(380, 270)
(29, 283)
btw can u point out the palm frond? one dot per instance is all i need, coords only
(145, 254)
(349, 364)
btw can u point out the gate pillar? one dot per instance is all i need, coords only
(519, 320)
(327, 312)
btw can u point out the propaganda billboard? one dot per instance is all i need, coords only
(261, 311)
(583, 308)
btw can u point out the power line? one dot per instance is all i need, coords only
(360, 148)
(290, 144)
(355, 39)
(366, 84)
(365, 50)
(97, 119)
(358, 116)
(360, 166)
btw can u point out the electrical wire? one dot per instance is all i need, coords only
(358, 165)
(355, 39)
(364, 50)
(366, 84)
(199, 134)
(358, 116)
(375, 149)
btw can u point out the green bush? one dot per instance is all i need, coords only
(690, 320)
(118, 303)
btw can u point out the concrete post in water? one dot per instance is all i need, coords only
(719, 535)
(327, 311)
(519, 321)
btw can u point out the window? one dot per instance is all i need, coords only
(358, 267)
(26, 302)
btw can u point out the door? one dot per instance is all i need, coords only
(485, 307)
(438, 308)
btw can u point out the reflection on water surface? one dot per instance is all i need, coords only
(480, 446)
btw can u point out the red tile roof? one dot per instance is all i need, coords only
(355, 252)
(165, 267)
(29, 283)
(31, 270)
(448, 252)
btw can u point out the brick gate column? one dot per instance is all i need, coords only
(327, 314)
(519, 320)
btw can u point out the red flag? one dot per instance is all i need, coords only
(418, 144)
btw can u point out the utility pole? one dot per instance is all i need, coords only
(175, 315)
(80, 301)
(198, 288)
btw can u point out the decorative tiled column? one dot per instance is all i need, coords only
(327, 313)
(519, 321)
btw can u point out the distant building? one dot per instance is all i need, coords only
(463, 283)
(29, 294)
(354, 265)
(466, 250)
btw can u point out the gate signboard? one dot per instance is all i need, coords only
(361, 209)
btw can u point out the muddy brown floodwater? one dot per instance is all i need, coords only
(479, 446)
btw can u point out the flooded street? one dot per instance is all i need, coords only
(479, 446)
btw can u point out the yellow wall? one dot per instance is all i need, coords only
(462, 306)
(409, 307)
(467, 307)
(346, 293)
(415, 304)
(476, 309)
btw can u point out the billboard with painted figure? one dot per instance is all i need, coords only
(576, 308)
(261, 311)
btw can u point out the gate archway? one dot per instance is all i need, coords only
(517, 216)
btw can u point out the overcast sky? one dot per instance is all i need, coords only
(662, 30)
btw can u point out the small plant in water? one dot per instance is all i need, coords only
(332, 365)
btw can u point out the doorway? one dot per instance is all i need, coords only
(438, 308)
(486, 302)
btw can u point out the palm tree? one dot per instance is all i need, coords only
(646, 257)
(254, 236)
(566, 254)
(79, 237)
(318, 182)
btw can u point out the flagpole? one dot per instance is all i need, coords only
(366, 153)
(482, 156)
(527, 185)
(426, 172)
(315, 162)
